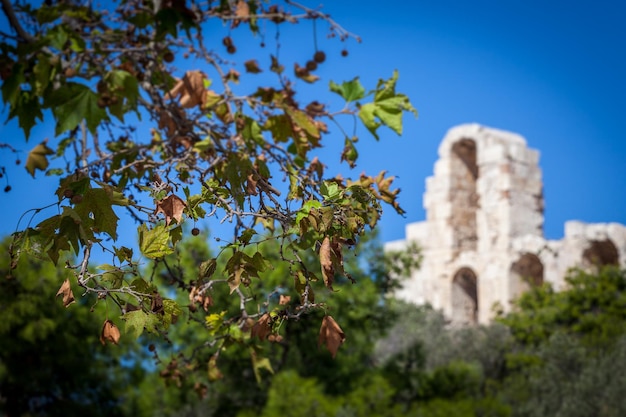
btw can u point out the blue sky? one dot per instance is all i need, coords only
(552, 71)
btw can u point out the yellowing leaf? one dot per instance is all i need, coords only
(153, 243)
(37, 158)
(213, 371)
(66, 291)
(172, 207)
(331, 335)
(304, 121)
(109, 333)
(258, 364)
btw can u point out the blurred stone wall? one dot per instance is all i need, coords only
(482, 239)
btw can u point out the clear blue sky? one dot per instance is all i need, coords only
(553, 71)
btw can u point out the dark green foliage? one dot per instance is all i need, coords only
(51, 361)
(568, 356)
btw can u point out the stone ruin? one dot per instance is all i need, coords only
(482, 240)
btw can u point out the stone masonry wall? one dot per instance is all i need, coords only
(482, 239)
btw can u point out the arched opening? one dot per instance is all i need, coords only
(465, 297)
(463, 195)
(526, 272)
(600, 253)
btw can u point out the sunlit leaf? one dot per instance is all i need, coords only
(66, 292)
(109, 333)
(37, 158)
(153, 243)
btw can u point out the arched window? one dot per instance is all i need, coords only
(464, 297)
(600, 253)
(527, 271)
(463, 195)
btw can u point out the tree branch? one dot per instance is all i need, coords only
(7, 7)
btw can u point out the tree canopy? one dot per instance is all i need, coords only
(159, 119)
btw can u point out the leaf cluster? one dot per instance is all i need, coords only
(135, 135)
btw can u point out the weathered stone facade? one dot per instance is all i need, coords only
(482, 240)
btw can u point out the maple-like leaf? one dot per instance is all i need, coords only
(109, 333)
(331, 335)
(190, 90)
(262, 328)
(66, 291)
(37, 158)
(172, 207)
(153, 243)
(326, 262)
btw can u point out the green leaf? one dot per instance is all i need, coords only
(258, 364)
(97, 204)
(112, 274)
(207, 269)
(171, 310)
(349, 90)
(123, 84)
(252, 131)
(349, 154)
(176, 234)
(124, 253)
(154, 243)
(387, 108)
(74, 103)
(280, 127)
(138, 320)
(44, 72)
(12, 86)
(247, 235)
(329, 190)
(37, 158)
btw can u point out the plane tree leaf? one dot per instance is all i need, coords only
(38, 158)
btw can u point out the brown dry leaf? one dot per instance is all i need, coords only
(190, 90)
(201, 390)
(232, 75)
(197, 297)
(252, 66)
(284, 300)
(337, 256)
(172, 207)
(331, 335)
(110, 333)
(207, 301)
(234, 280)
(66, 291)
(243, 10)
(326, 262)
(156, 306)
(262, 328)
(251, 185)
